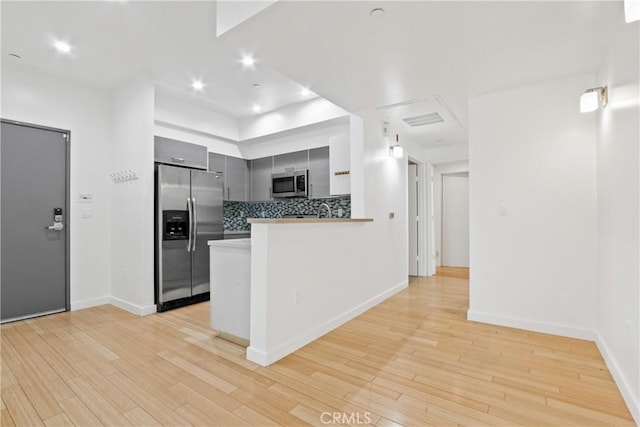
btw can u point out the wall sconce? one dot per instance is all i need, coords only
(396, 150)
(593, 98)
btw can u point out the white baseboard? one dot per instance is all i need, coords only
(79, 305)
(257, 356)
(633, 402)
(265, 358)
(533, 325)
(133, 308)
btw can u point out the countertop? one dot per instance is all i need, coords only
(233, 243)
(304, 220)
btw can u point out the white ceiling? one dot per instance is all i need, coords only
(419, 50)
(423, 49)
(173, 41)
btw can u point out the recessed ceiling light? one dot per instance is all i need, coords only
(197, 85)
(305, 91)
(378, 12)
(62, 47)
(248, 61)
(256, 108)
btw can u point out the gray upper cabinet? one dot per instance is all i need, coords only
(217, 163)
(235, 174)
(261, 170)
(296, 160)
(174, 152)
(236, 179)
(319, 172)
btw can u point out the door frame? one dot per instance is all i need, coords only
(422, 215)
(431, 214)
(67, 202)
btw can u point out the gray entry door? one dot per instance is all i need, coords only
(33, 268)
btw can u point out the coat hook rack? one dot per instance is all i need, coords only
(123, 176)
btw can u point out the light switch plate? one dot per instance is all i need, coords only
(85, 197)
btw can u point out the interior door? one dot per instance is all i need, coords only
(206, 193)
(33, 266)
(455, 220)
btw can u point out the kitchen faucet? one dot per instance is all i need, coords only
(324, 205)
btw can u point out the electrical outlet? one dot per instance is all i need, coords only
(339, 212)
(241, 214)
(296, 297)
(502, 210)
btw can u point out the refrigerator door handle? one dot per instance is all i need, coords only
(195, 224)
(190, 209)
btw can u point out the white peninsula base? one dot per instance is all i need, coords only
(230, 270)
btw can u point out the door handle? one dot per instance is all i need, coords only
(57, 221)
(228, 193)
(190, 209)
(195, 224)
(178, 159)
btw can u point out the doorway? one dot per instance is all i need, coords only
(34, 261)
(414, 225)
(455, 220)
(449, 183)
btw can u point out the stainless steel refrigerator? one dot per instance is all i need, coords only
(188, 215)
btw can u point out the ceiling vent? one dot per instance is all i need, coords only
(423, 120)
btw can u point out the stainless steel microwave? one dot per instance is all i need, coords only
(290, 184)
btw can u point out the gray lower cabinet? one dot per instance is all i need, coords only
(319, 172)
(235, 174)
(261, 170)
(174, 152)
(291, 161)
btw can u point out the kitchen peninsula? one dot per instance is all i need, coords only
(295, 272)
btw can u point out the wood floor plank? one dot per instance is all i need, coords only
(78, 413)
(139, 417)
(413, 360)
(59, 420)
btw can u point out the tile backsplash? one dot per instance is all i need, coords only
(236, 213)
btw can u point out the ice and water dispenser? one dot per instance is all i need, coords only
(175, 225)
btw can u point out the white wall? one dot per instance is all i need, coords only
(341, 280)
(618, 216)
(132, 206)
(289, 117)
(455, 221)
(531, 151)
(34, 97)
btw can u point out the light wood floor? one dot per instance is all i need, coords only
(460, 272)
(413, 360)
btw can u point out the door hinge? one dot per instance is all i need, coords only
(65, 136)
